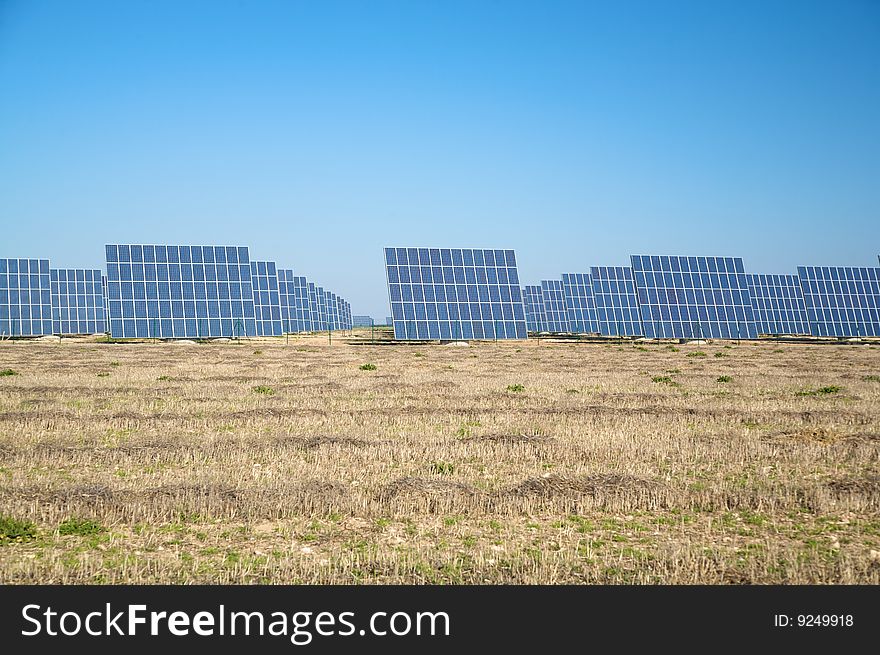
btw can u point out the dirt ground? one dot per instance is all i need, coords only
(520, 462)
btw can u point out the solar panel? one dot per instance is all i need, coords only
(314, 308)
(267, 304)
(454, 294)
(25, 298)
(389, 320)
(346, 315)
(106, 301)
(778, 304)
(841, 301)
(323, 316)
(77, 301)
(174, 292)
(580, 307)
(293, 291)
(555, 312)
(533, 303)
(693, 297)
(362, 321)
(332, 311)
(617, 308)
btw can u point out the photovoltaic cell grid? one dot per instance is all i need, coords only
(314, 308)
(454, 294)
(293, 290)
(323, 314)
(332, 311)
(267, 304)
(617, 308)
(25, 298)
(693, 297)
(533, 303)
(842, 301)
(778, 304)
(173, 292)
(580, 307)
(555, 314)
(77, 301)
(362, 321)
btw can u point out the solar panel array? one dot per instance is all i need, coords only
(580, 307)
(177, 292)
(555, 312)
(267, 302)
(333, 318)
(533, 303)
(77, 301)
(362, 321)
(841, 301)
(25, 298)
(693, 297)
(778, 304)
(617, 308)
(454, 293)
(293, 290)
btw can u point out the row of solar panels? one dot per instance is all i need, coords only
(475, 294)
(152, 291)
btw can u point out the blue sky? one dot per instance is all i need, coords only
(317, 133)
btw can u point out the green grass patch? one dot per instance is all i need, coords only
(368, 367)
(821, 391)
(442, 468)
(7, 372)
(80, 527)
(515, 388)
(13, 529)
(104, 375)
(263, 389)
(697, 353)
(724, 378)
(871, 378)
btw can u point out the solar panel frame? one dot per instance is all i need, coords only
(617, 306)
(179, 291)
(555, 311)
(778, 304)
(77, 301)
(580, 307)
(454, 293)
(533, 303)
(267, 301)
(841, 301)
(25, 297)
(693, 297)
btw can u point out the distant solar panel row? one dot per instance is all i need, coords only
(25, 297)
(778, 304)
(555, 311)
(533, 303)
(841, 300)
(77, 301)
(454, 293)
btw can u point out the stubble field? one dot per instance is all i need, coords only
(523, 462)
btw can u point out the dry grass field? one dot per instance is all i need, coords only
(525, 462)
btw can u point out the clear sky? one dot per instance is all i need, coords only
(318, 132)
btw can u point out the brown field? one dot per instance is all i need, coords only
(263, 462)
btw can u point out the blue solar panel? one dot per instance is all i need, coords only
(533, 303)
(841, 301)
(778, 304)
(315, 308)
(454, 294)
(267, 303)
(580, 307)
(25, 298)
(323, 320)
(617, 308)
(77, 301)
(332, 311)
(555, 312)
(294, 293)
(173, 292)
(693, 297)
(362, 321)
